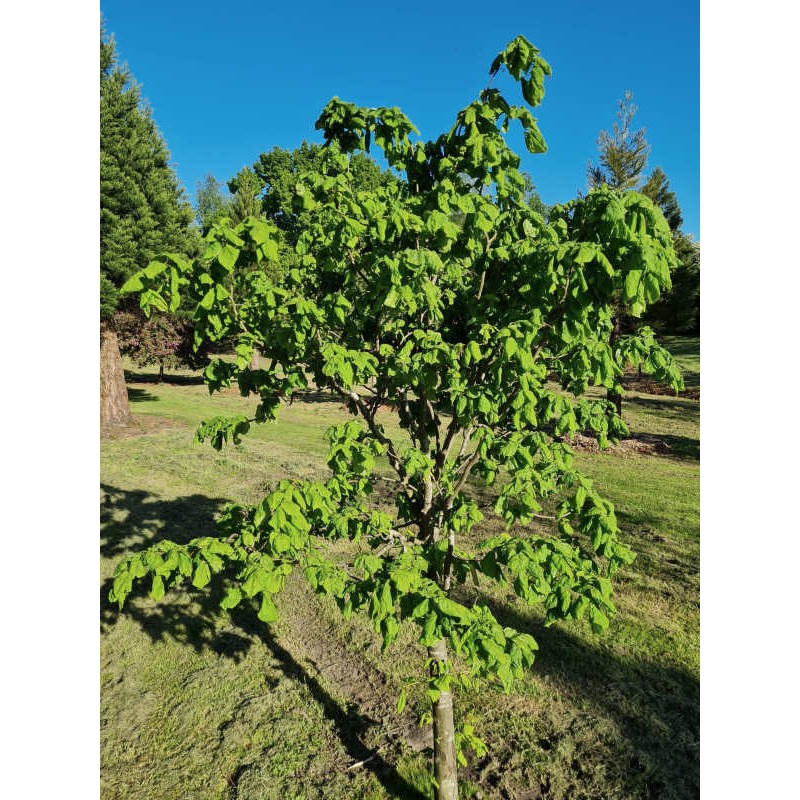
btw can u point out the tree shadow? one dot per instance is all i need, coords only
(684, 448)
(655, 706)
(673, 408)
(196, 620)
(171, 379)
(140, 395)
(134, 518)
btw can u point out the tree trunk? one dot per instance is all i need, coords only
(613, 397)
(160, 371)
(255, 360)
(114, 409)
(444, 735)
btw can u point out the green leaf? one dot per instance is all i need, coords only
(157, 590)
(401, 701)
(267, 613)
(232, 598)
(133, 284)
(202, 574)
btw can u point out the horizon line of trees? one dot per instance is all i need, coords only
(144, 211)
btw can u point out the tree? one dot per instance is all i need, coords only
(279, 171)
(678, 311)
(457, 327)
(656, 187)
(246, 188)
(623, 152)
(142, 212)
(211, 202)
(164, 339)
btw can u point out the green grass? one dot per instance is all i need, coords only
(200, 705)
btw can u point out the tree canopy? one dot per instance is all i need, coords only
(444, 296)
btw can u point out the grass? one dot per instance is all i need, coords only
(200, 705)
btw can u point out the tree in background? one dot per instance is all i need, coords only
(456, 328)
(212, 202)
(142, 212)
(279, 171)
(623, 152)
(532, 198)
(246, 188)
(656, 187)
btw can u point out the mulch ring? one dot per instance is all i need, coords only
(644, 444)
(644, 385)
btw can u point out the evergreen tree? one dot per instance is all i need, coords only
(246, 188)
(142, 211)
(623, 152)
(656, 187)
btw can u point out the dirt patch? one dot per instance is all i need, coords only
(363, 687)
(644, 444)
(644, 385)
(141, 425)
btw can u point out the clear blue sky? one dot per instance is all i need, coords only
(227, 81)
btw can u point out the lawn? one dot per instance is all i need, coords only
(197, 704)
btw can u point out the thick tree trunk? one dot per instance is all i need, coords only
(114, 409)
(444, 735)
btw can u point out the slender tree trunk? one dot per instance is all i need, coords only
(114, 409)
(613, 397)
(444, 735)
(160, 371)
(255, 361)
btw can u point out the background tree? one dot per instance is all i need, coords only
(678, 311)
(623, 152)
(656, 187)
(142, 212)
(212, 202)
(457, 327)
(279, 171)
(623, 159)
(246, 188)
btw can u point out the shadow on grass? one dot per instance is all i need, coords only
(681, 447)
(197, 621)
(140, 395)
(668, 407)
(172, 380)
(132, 519)
(655, 707)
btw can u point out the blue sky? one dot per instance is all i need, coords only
(229, 81)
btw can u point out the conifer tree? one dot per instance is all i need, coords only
(142, 211)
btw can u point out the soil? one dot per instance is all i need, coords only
(362, 686)
(141, 425)
(644, 385)
(639, 444)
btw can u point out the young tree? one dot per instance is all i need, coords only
(457, 327)
(142, 212)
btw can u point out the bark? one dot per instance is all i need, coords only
(114, 409)
(613, 397)
(444, 735)
(160, 372)
(255, 361)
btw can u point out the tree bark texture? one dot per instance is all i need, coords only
(114, 409)
(444, 735)
(255, 361)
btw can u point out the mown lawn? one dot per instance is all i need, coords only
(198, 704)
